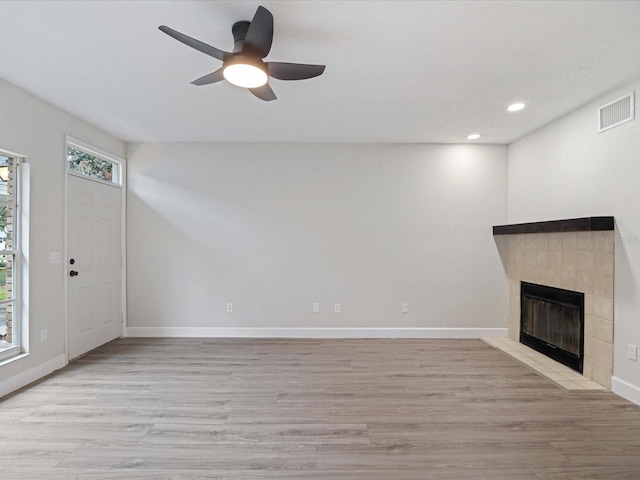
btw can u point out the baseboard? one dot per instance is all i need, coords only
(625, 390)
(213, 332)
(22, 379)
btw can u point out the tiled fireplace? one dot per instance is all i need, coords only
(580, 260)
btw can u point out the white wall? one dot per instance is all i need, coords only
(276, 227)
(568, 170)
(32, 127)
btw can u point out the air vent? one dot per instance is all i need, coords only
(616, 113)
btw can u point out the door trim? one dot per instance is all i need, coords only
(123, 205)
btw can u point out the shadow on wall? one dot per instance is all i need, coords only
(625, 291)
(501, 245)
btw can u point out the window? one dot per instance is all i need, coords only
(85, 162)
(10, 260)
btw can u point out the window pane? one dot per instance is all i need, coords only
(6, 277)
(6, 203)
(91, 166)
(6, 338)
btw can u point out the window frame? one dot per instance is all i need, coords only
(17, 322)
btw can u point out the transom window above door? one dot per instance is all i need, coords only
(85, 162)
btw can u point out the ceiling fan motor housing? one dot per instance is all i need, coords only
(239, 31)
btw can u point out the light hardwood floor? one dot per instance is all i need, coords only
(259, 409)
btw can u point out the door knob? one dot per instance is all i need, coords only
(73, 273)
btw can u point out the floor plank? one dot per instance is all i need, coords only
(279, 434)
(193, 457)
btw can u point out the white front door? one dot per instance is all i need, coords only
(94, 263)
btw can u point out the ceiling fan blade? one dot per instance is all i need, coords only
(197, 44)
(264, 93)
(293, 71)
(208, 79)
(260, 34)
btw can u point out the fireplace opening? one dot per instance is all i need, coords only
(552, 322)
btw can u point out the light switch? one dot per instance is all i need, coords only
(54, 257)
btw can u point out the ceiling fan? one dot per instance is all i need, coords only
(244, 66)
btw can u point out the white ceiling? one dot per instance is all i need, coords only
(397, 71)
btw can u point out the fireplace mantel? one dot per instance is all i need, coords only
(587, 224)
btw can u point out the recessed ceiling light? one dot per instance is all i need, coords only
(516, 107)
(473, 136)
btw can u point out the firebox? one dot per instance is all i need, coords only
(552, 322)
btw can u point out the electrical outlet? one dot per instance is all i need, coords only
(633, 352)
(43, 335)
(405, 308)
(316, 308)
(229, 307)
(337, 308)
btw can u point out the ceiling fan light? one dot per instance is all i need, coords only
(245, 75)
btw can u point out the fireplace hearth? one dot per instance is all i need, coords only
(552, 322)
